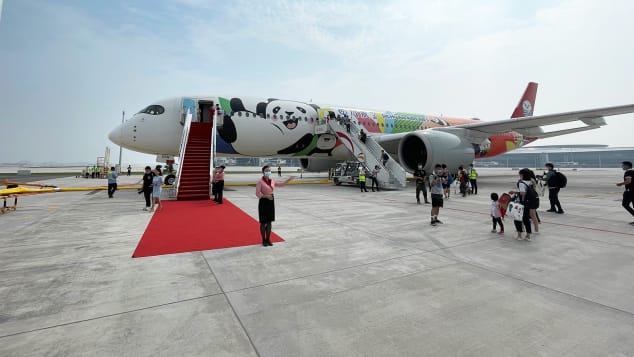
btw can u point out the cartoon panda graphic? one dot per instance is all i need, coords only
(253, 125)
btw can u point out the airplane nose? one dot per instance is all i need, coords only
(115, 135)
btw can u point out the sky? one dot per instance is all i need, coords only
(68, 68)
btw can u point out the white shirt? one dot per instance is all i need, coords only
(495, 209)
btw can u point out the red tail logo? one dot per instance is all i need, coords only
(526, 105)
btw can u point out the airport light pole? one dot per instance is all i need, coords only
(121, 134)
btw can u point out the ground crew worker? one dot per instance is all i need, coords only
(473, 177)
(362, 180)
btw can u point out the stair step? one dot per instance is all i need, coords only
(196, 163)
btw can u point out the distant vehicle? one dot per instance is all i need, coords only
(347, 172)
(170, 171)
(487, 163)
(567, 164)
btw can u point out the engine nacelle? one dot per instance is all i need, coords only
(318, 164)
(431, 147)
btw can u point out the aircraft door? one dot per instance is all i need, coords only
(206, 111)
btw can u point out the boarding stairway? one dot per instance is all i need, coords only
(391, 176)
(192, 182)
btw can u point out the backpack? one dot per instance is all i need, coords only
(558, 180)
(562, 179)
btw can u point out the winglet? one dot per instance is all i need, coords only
(526, 105)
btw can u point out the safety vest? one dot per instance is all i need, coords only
(473, 174)
(111, 175)
(361, 177)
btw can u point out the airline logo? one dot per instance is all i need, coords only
(527, 108)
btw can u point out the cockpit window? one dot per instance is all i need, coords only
(153, 110)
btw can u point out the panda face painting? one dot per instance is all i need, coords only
(287, 126)
(287, 113)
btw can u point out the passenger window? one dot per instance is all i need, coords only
(239, 114)
(246, 114)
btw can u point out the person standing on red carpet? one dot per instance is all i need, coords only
(218, 183)
(266, 205)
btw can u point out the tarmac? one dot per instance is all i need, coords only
(359, 274)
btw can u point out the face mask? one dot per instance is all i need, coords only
(267, 174)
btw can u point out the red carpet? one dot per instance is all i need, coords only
(186, 226)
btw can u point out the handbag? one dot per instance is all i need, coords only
(515, 210)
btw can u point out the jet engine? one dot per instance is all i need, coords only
(431, 147)
(318, 164)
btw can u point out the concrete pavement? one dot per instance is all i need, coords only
(360, 274)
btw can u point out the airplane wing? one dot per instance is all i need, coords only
(532, 126)
(528, 126)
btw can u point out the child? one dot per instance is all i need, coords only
(496, 214)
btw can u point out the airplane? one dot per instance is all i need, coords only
(268, 127)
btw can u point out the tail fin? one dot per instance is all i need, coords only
(527, 103)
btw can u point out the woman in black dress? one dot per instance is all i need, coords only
(266, 205)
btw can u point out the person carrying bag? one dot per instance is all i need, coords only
(519, 208)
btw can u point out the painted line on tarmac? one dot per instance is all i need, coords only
(555, 223)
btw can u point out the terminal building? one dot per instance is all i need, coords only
(563, 156)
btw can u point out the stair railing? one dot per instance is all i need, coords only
(183, 147)
(393, 174)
